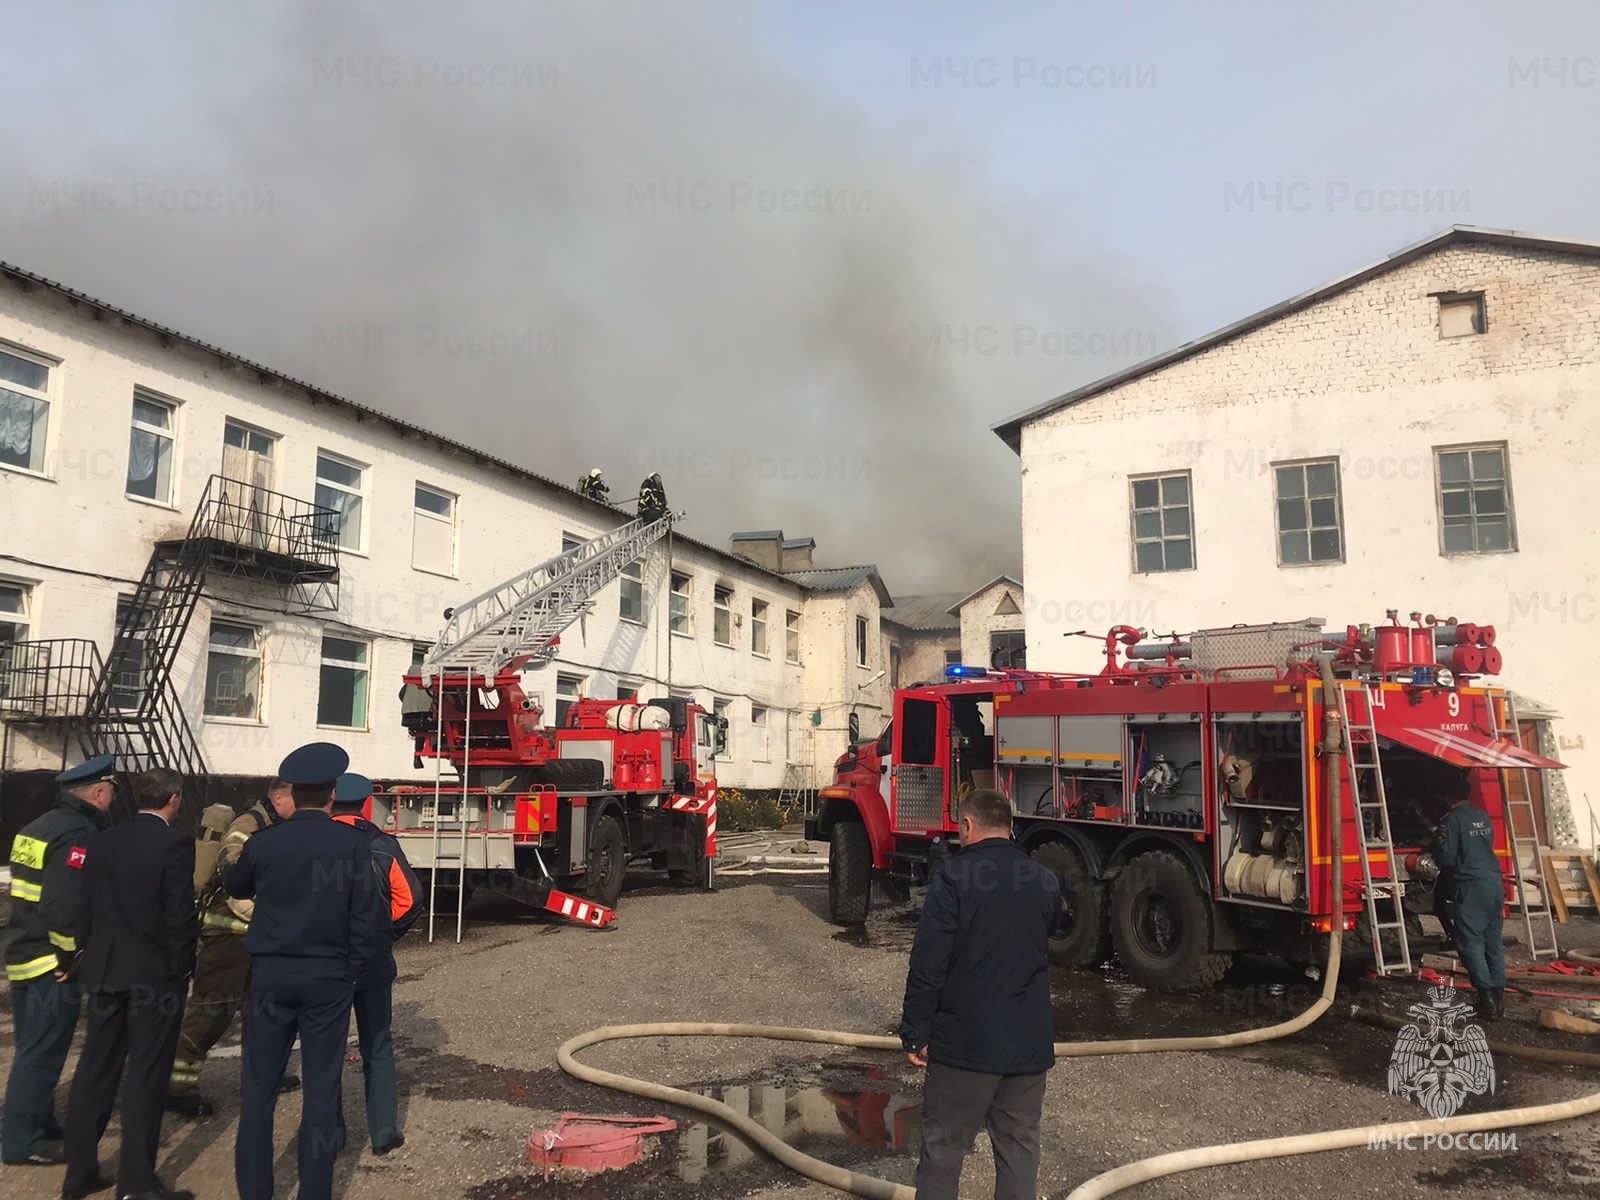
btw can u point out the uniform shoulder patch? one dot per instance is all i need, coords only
(76, 857)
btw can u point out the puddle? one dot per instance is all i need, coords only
(894, 930)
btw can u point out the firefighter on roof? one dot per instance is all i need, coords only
(47, 861)
(1466, 849)
(222, 972)
(653, 497)
(593, 486)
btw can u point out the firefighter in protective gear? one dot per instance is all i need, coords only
(652, 497)
(1467, 850)
(222, 967)
(593, 487)
(47, 860)
(374, 998)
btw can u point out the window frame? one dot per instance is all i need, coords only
(1470, 448)
(252, 432)
(791, 634)
(169, 434)
(1135, 541)
(454, 520)
(1019, 639)
(46, 398)
(686, 594)
(363, 666)
(759, 610)
(721, 707)
(761, 751)
(631, 685)
(359, 492)
(24, 618)
(631, 579)
(257, 653)
(1303, 465)
(863, 643)
(722, 614)
(1480, 317)
(559, 697)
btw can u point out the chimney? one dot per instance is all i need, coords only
(797, 553)
(764, 547)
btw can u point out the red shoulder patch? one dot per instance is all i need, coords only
(75, 857)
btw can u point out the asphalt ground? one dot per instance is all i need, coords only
(477, 1025)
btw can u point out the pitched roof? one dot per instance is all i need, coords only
(755, 535)
(842, 579)
(927, 613)
(1016, 583)
(29, 281)
(1009, 431)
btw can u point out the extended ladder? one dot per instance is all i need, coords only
(455, 857)
(1371, 801)
(1535, 920)
(519, 620)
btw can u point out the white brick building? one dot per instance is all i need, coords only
(114, 431)
(1416, 435)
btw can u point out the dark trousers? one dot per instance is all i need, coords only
(955, 1105)
(221, 979)
(134, 1031)
(1479, 935)
(374, 1009)
(286, 1000)
(44, 1014)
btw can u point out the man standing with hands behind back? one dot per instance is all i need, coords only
(977, 1005)
(140, 931)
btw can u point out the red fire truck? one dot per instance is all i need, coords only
(539, 811)
(1181, 796)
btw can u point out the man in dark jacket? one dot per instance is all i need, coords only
(47, 860)
(977, 1006)
(139, 933)
(1466, 851)
(314, 929)
(374, 999)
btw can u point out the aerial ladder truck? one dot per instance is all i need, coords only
(551, 815)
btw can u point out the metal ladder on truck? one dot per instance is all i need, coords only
(514, 623)
(1371, 801)
(1535, 920)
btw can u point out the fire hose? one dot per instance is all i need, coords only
(1118, 1179)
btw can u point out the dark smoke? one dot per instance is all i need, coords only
(559, 232)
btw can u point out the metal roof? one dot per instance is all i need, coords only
(756, 535)
(842, 579)
(1016, 583)
(799, 543)
(928, 613)
(1009, 431)
(29, 281)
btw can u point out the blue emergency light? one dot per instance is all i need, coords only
(1421, 676)
(959, 671)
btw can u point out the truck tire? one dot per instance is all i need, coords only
(1161, 925)
(608, 862)
(1085, 938)
(849, 873)
(570, 774)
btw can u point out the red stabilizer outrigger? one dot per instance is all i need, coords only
(575, 908)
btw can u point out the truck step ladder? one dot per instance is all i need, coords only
(1538, 917)
(521, 618)
(1371, 802)
(455, 856)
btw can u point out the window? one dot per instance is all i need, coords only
(339, 490)
(1475, 515)
(758, 734)
(342, 695)
(791, 636)
(127, 668)
(1008, 649)
(758, 627)
(568, 690)
(679, 617)
(1461, 314)
(722, 615)
(233, 672)
(14, 620)
(628, 689)
(1309, 516)
(952, 657)
(1163, 536)
(894, 666)
(919, 724)
(861, 641)
(24, 410)
(631, 605)
(251, 441)
(433, 531)
(150, 449)
(570, 542)
(719, 710)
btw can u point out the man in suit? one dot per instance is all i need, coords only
(977, 1004)
(315, 927)
(138, 953)
(374, 998)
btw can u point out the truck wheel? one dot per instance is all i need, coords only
(1085, 937)
(1161, 925)
(849, 873)
(608, 862)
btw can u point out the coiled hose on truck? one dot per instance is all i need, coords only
(1109, 1182)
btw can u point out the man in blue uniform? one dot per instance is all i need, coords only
(47, 861)
(1466, 848)
(315, 927)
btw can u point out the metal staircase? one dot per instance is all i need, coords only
(1540, 919)
(1371, 805)
(518, 621)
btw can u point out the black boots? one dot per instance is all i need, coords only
(1499, 1002)
(1488, 1009)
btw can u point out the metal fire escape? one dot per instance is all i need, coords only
(127, 705)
